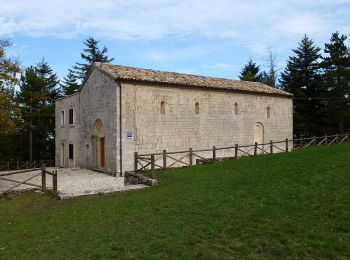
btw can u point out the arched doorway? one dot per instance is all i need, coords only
(98, 136)
(259, 135)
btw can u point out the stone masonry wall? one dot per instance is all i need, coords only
(66, 133)
(146, 130)
(98, 100)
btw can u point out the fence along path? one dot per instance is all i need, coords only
(17, 165)
(165, 160)
(23, 179)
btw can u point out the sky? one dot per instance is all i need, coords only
(213, 38)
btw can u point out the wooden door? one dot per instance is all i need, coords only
(102, 153)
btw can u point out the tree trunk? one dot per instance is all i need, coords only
(30, 132)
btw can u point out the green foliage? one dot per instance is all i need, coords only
(9, 68)
(36, 100)
(281, 206)
(302, 77)
(92, 53)
(70, 83)
(336, 74)
(250, 72)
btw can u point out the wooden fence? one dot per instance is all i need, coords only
(17, 165)
(19, 181)
(165, 160)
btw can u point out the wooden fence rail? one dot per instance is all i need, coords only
(42, 171)
(165, 160)
(17, 165)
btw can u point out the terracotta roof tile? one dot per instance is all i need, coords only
(154, 76)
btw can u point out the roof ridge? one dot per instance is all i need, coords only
(183, 79)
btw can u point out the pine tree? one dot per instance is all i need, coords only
(336, 66)
(250, 72)
(44, 70)
(302, 78)
(92, 53)
(70, 83)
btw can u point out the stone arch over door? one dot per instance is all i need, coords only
(259, 135)
(98, 141)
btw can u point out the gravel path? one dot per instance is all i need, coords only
(72, 182)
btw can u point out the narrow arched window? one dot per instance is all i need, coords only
(268, 110)
(162, 107)
(196, 108)
(236, 109)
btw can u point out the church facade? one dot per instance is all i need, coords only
(121, 110)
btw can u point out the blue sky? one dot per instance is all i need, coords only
(214, 38)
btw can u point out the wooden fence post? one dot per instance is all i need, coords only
(191, 156)
(314, 140)
(326, 139)
(164, 159)
(255, 148)
(135, 161)
(43, 178)
(152, 166)
(17, 165)
(287, 144)
(54, 184)
(336, 138)
(8, 166)
(214, 153)
(301, 142)
(236, 151)
(347, 135)
(271, 147)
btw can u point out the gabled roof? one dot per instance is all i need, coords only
(131, 74)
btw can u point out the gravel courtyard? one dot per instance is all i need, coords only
(71, 182)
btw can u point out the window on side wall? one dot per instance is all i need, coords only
(62, 117)
(71, 116)
(196, 108)
(236, 109)
(162, 107)
(268, 111)
(71, 152)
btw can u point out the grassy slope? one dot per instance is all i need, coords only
(285, 205)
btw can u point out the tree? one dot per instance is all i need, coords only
(44, 70)
(270, 77)
(9, 68)
(336, 74)
(92, 53)
(70, 83)
(250, 72)
(302, 78)
(33, 98)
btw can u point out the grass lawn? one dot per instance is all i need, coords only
(294, 205)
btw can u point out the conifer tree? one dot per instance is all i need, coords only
(92, 53)
(70, 83)
(250, 72)
(44, 70)
(302, 78)
(336, 74)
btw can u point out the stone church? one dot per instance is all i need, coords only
(121, 110)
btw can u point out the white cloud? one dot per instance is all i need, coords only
(154, 18)
(254, 24)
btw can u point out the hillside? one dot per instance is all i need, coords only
(275, 206)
